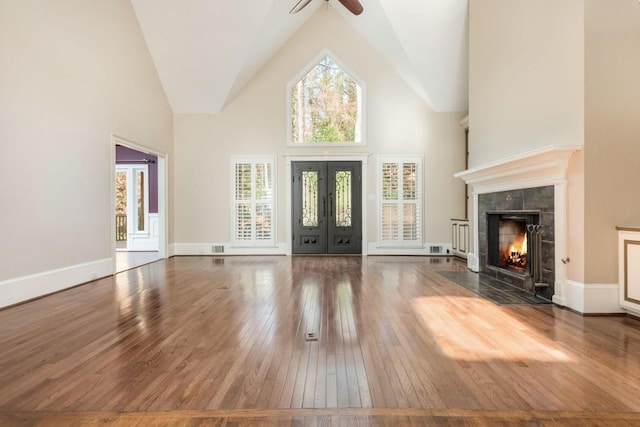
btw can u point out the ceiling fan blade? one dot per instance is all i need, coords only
(299, 6)
(353, 6)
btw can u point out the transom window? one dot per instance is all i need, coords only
(326, 106)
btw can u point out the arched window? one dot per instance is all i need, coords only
(326, 106)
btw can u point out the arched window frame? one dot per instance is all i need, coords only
(361, 104)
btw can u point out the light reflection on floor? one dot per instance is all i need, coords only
(469, 333)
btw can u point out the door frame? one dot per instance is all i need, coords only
(163, 207)
(352, 157)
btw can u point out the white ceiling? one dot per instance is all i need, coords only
(206, 51)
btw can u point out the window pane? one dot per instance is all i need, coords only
(310, 198)
(263, 181)
(326, 106)
(343, 198)
(409, 181)
(121, 206)
(121, 193)
(140, 185)
(389, 222)
(243, 221)
(243, 181)
(263, 222)
(389, 181)
(409, 222)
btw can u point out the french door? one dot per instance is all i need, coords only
(327, 207)
(132, 205)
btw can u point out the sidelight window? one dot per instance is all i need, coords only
(253, 201)
(132, 200)
(400, 201)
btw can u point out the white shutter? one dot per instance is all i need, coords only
(253, 201)
(400, 198)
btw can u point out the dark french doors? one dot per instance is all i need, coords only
(327, 208)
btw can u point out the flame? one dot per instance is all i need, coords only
(519, 245)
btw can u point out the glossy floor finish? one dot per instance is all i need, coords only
(223, 341)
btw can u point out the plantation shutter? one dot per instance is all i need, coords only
(400, 219)
(253, 203)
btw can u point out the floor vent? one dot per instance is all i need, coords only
(217, 249)
(311, 336)
(435, 250)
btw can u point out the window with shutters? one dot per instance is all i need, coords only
(400, 201)
(253, 201)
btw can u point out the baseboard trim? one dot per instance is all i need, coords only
(592, 298)
(182, 249)
(21, 289)
(445, 250)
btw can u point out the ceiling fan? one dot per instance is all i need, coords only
(352, 6)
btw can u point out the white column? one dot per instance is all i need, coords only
(473, 260)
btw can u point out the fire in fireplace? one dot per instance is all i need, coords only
(513, 248)
(510, 244)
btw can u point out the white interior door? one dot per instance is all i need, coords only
(132, 201)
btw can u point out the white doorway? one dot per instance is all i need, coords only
(139, 221)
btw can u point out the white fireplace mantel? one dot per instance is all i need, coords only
(544, 166)
(536, 168)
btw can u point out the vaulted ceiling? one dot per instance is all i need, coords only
(206, 51)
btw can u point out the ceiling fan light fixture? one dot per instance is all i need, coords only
(352, 6)
(299, 6)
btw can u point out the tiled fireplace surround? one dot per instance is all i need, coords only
(532, 181)
(537, 202)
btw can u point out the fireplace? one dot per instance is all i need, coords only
(535, 180)
(516, 238)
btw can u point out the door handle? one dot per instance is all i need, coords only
(331, 205)
(324, 207)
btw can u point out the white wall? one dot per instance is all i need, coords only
(612, 147)
(526, 85)
(72, 72)
(398, 121)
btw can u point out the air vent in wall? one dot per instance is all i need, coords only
(435, 250)
(217, 249)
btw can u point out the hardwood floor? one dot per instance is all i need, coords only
(223, 341)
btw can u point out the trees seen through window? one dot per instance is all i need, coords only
(326, 106)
